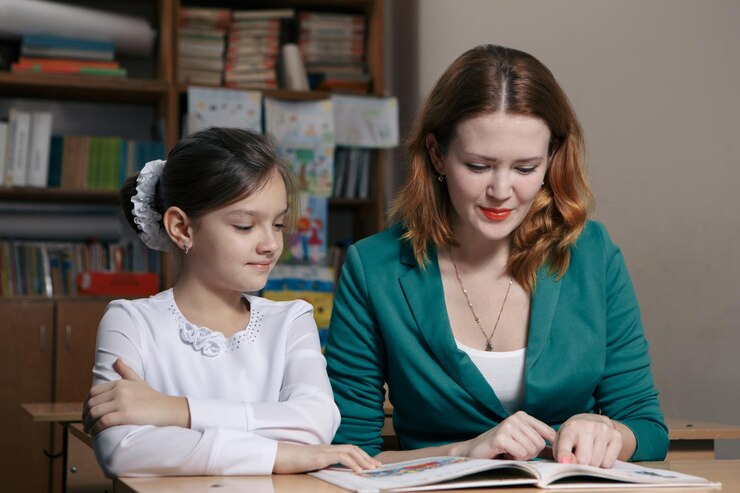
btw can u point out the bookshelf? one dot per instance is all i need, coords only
(155, 88)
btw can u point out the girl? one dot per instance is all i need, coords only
(203, 379)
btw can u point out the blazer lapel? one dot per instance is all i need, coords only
(544, 304)
(424, 294)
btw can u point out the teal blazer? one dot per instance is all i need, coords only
(586, 352)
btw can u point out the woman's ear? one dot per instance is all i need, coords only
(179, 226)
(435, 154)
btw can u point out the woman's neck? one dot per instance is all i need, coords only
(480, 255)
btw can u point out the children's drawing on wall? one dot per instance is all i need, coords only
(308, 241)
(313, 168)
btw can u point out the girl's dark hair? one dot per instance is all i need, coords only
(212, 169)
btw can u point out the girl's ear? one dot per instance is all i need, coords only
(435, 154)
(179, 226)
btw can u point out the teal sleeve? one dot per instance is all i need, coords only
(355, 355)
(626, 392)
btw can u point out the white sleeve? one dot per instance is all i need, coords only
(156, 451)
(306, 412)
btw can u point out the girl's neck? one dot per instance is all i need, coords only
(207, 306)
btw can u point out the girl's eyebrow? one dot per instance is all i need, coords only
(251, 212)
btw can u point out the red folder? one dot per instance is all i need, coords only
(127, 284)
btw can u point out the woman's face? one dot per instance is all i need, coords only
(494, 166)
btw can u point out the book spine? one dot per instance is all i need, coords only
(38, 149)
(3, 150)
(18, 136)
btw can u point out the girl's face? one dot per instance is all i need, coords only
(235, 248)
(494, 167)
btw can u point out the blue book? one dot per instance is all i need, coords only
(55, 161)
(45, 41)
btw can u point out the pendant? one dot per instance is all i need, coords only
(489, 346)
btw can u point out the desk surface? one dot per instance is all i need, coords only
(688, 429)
(726, 472)
(54, 412)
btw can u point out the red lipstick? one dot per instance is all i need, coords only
(495, 214)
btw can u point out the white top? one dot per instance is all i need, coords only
(504, 372)
(266, 383)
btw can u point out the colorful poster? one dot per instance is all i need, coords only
(311, 283)
(216, 107)
(300, 124)
(363, 121)
(307, 244)
(313, 168)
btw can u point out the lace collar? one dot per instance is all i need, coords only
(212, 343)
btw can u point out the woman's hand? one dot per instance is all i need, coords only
(130, 401)
(292, 458)
(590, 439)
(518, 437)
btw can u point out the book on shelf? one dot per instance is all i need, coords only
(66, 47)
(3, 150)
(201, 44)
(333, 48)
(52, 268)
(261, 14)
(128, 284)
(441, 473)
(38, 149)
(19, 130)
(64, 66)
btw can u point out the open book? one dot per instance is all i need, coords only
(440, 473)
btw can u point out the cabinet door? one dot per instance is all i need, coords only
(25, 376)
(76, 331)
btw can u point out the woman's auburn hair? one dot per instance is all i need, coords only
(484, 80)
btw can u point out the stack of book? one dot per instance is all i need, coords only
(333, 50)
(79, 162)
(30, 156)
(254, 41)
(62, 55)
(201, 44)
(352, 173)
(43, 268)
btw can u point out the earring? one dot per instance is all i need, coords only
(186, 248)
(440, 178)
(543, 183)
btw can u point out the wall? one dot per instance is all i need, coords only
(655, 84)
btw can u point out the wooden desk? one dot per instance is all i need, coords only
(54, 412)
(694, 440)
(726, 472)
(80, 470)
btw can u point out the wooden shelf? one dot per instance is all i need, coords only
(85, 88)
(27, 194)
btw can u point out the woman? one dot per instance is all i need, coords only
(499, 316)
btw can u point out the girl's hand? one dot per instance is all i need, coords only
(292, 458)
(590, 439)
(130, 401)
(518, 437)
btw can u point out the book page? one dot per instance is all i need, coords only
(406, 476)
(550, 472)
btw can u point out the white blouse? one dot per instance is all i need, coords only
(504, 372)
(266, 383)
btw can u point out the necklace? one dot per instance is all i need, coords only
(489, 344)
